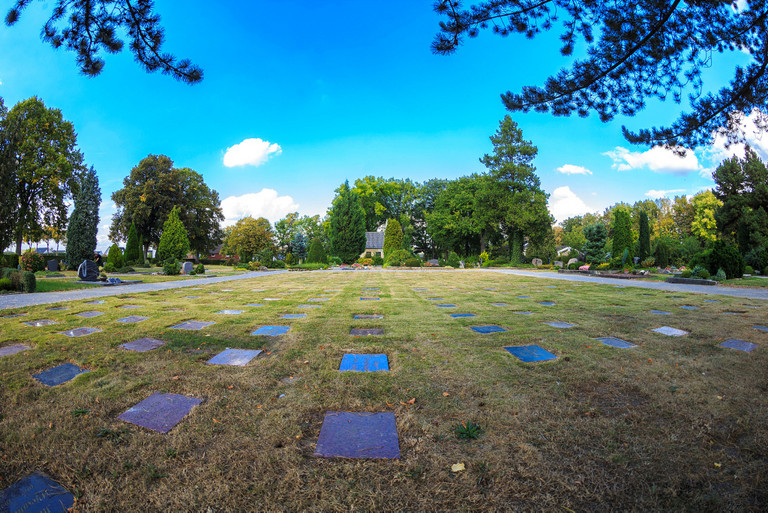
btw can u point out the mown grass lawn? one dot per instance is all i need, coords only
(672, 424)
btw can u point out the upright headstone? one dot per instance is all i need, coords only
(88, 271)
(461, 264)
(186, 267)
(53, 265)
(537, 262)
(559, 264)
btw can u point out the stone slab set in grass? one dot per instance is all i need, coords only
(96, 302)
(236, 357)
(132, 319)
(13, 316)
(459, 315)
(36, 493)
(11, 350)
(40, 323)
(129, 307)
(446, 306)
(660, 312)
(523, 313)
(531, 353)
(293, 316)
(309, 306)
(615, 342)
(672, 332)
(80, 332)
(547, 303)
(59, 374)
(192, 325)
(358, 435)
(143, 344)
(364, 332)
(90, 314)
(272, 331)
(367, 299)
(230, 312)
(558, 324)
(761, 328)
(488, 329)
(688, 307)
(498, 304)
(160, 412)
(366, 316)
(739, 345)
(364, 363)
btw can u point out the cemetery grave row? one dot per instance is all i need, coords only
(343, 434)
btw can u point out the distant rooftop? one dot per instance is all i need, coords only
(374, 240)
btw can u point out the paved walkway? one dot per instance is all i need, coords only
(718, 290)
(44, 298)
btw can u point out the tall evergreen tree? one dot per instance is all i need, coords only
(84, 222)
(132, 249)
(595, 235)
(347, 225)
(622, 233)
(174, 242)
(393, 237)
(644, 248)
(316, 253)
(299, 246)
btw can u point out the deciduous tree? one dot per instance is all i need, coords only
(248, 237)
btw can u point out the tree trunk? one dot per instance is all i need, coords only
(516, 247)
(18, 244)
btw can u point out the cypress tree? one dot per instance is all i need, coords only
(132, 251)
(645, 237)
(115, 256)
(622, 233)
(84, 222)
(316, 253)
(347, 221)
(393, 237)
(174, 242)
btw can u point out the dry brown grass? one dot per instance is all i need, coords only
(674, 424)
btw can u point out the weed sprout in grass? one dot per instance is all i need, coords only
(80, 412)
(468, 431)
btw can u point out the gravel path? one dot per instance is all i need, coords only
(44, 298)
(719, 290)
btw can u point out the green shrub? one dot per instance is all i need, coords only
(748, 269)
(720, 275)
(648, 262)
(700, 272)
(109, 268)
(602, 267)
(616, 263)
(316, 253)
(12, 261)
(125, 269)
(289, 259)
(686, 274)
(171, 267)
(377, 260)
(32, 261)
(442, 262)
(726, 257)
(6, 284)
(757, 258)
(274, 264)
(192, 272)
(334, 260)
(413, 262)
(700, 259)
(365, 261)
(28, 282)
(453, 259)
(397, 258)
(115, 256)
(200, 269)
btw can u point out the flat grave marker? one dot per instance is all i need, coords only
(56, 308)
(523, 313)
(254, 304)
(191, 297)
(660, 312)
(272, 331)
(369, 299)
(13, 316)
(457, 315)
(129, 307)
(309, 306)
(672, 332)
(488, 329)
(523, 297)
(192, 325)
(227, 290)
(160, 412)
(547, 303)
(236, 357)
(435, 299)
(80, 332)
(367, 316)
(732, 313)
(499, 304)
(364, 363)
(143, 344)
(293, 316)
(36, 493)
(370, 288)
(446, 306)
(365, 332)
(739, 345)
(689, 307)
(230, 312)
(420, 290)
(558, 324)
(358, 435)
(761, 328)
(11, 350)
(40, 323)
(530, 353)
(615, 342)
(132, 319)
(96, 302)
(59, 374)
(318, 299)
(712, 301)
(88, 315)
(258, 290)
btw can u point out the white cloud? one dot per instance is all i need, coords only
(658, 159)
(570, 169)
(265, 203)
(563, 203)
(251, 152)
(653, 193)
(755, 137)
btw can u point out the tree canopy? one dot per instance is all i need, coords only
(91, 29)
(152, 189)
(84, 221)
(635, 51)
(347, 225)
(248, 237)
(39, 162)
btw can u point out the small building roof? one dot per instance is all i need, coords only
(374, 240)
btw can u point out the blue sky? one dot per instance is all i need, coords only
(301, 96)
